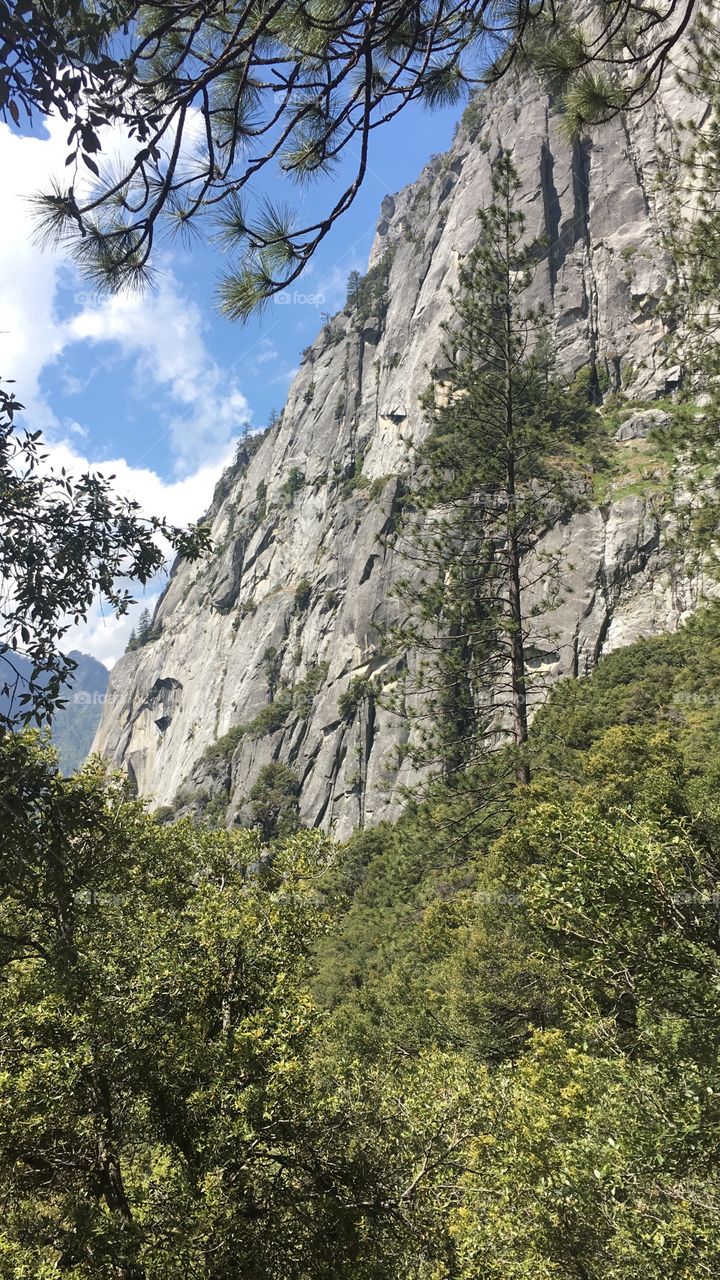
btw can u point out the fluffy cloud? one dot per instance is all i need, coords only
(180, 501)
(30, 337)
(162, 333)
(162, 336)
(105, 636)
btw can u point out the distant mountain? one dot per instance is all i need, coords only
(73, 728)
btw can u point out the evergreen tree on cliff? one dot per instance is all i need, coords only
(492, 476)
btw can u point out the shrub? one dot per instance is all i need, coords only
(360, 689)
(274, 806)
(356, 479)
(260, 503)
(368, 294)
(265, 722)
(303, 592)
(294, 482)
(306, 689)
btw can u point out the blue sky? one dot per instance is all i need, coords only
(157, 388)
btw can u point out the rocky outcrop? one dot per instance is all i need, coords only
(266, 653)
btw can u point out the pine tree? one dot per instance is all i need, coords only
(695, 242)
(491, 477)
(693, 311)
(353, 290)
(144, 627)
(291, 87)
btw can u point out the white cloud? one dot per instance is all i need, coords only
(163, 338)
(268, 353)
(161, 334)
(180, 501)
(105, 636)
(30, 337)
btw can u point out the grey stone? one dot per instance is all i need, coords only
(601, 213)
(641, 424)
(372, 329)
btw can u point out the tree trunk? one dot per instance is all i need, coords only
(518, 684)
(517, 659)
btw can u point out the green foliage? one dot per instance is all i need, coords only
(641, 733)
(267, 721)
(376, 488)
(74, 725)
(99, 66)
(673, 680)
(274, 802)
(161, 1114)
(64, 542)
(303, 594)
(360, 689)
(260, 503)
(473, 118)
(140, 637)
(355, 480)
(293, 483)
(307, 689)
(499, 465)
(559, 970)
(502, 1036)
(297, 700)
(245, 451)
(368, 295)
(695, 239)
(272, 662)
(692, 307)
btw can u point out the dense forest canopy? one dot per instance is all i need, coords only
(413, 1056)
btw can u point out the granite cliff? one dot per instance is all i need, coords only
(263, 653)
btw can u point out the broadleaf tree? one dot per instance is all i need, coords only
(65, 542)
(160, 1115)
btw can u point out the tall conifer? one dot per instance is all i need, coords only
(492, 476)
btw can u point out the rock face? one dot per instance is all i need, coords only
(277, 631)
